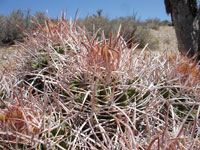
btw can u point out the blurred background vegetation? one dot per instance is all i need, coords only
(132, 28)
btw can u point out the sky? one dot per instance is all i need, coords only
(144, 9)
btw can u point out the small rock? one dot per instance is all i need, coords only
(5, 57)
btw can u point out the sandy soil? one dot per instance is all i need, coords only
(166, 37)
(7, 54)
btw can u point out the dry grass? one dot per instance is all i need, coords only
(74, 91)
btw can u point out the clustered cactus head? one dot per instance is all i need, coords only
(19, 122)
(79, 91)
(187, 69)
(102, 58)
(18, 119)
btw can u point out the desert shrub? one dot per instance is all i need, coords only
(129, 26)
(2, 28)
(10, 30)
(95, 23)
(166, 23)
(153, 23)
(40, 18)
(132, 29)
(142, 36)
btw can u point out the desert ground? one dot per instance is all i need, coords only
(166, 37)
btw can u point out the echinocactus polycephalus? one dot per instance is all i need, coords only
(98, 94)
(54, 64)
